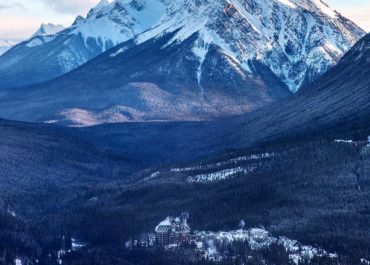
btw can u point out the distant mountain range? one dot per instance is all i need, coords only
(105, 26)
(43, 31)
(6, 45)
(48, 29)
(185, 61)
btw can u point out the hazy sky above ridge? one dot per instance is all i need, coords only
(19, 19)
(356, 10)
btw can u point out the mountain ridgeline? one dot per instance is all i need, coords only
(192, 60)
(55, 53)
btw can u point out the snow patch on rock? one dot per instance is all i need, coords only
(220, 175)
(258, 239)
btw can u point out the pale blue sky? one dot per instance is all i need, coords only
(20, 18)
(356, 10)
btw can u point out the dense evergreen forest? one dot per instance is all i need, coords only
(315, 190)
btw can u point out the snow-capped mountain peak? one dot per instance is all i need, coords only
(112, 23)
(106, 25)
(103, 3)
(48, 29)
(298, 39)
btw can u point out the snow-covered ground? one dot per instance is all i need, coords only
(220, 175)
(77, 244)
(344, 141)
(185, 169)
(40, 40)
(12, 213)
(213, 245)
(246, 158)
(222, 170)
(232, 161)
(258, 239)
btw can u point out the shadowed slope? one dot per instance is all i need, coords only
(148, 82)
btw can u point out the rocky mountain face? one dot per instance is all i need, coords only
(147, 82)
(194, 60)
(48, 29)
(338, 101)
(296, 39)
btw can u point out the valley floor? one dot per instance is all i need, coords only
(313, 189)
